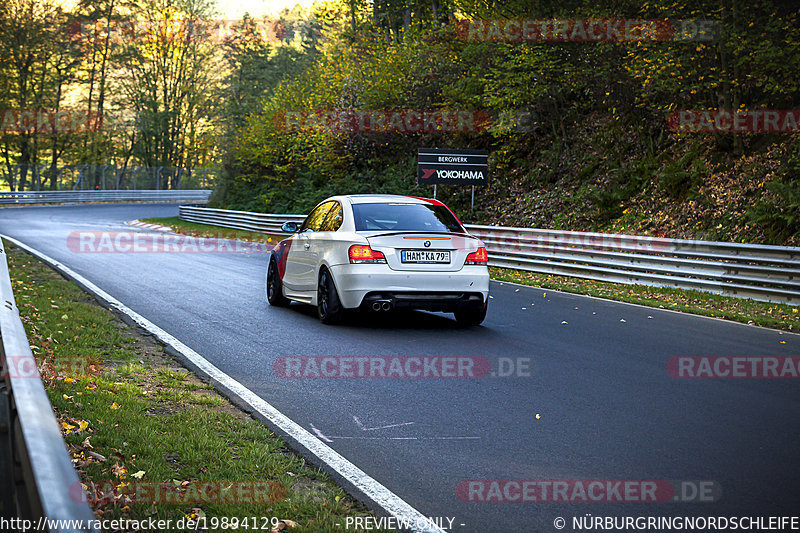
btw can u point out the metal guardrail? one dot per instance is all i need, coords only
(245, 220)
(760, 272)
(47, 197)
(46, 177)
(38, 480)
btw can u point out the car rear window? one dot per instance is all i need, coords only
(405, 217)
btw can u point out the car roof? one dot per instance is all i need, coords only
(386, 199)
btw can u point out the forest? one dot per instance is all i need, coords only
(581, 104)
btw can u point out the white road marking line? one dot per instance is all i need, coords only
(319, 434)
(380, 495)
(364, 428)
(403, 438)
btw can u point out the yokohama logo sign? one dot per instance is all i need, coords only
(452, 175)
(454, 167)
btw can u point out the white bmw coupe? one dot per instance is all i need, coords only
(378, 253)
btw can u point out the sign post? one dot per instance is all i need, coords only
(454, 167)
(472, 202)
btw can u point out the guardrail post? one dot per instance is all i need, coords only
(7, 506)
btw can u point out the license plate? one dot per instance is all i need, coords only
(424, 256)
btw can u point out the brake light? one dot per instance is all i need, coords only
(478, 257)
(361, 253)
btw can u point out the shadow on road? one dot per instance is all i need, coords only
(392, 320)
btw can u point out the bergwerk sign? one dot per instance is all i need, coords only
(454, 167)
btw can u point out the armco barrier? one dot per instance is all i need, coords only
(38, 480)
(245, 220)
(760, 272)
(51, 197)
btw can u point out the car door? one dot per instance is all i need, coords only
(309, 241)
(325, 239)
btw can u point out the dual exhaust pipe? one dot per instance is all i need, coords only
(382, 305)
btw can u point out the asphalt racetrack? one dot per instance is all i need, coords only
(589, 398)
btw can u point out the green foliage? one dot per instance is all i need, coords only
(778, 215)
(779, 218)
(307, 189)
(679, 178)
(596, 111)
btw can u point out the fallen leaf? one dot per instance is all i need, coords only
(138, 475)
(119, 470)
(283, 524)
(64, 317)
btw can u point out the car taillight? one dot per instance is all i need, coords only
(478, 257)
(360, 253)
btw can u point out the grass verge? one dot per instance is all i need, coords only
(150, 439)
(204, 230)
(777, 316)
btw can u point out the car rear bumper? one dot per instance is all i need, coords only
(361, 285)
(431, 301)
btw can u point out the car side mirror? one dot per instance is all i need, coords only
(290, 227)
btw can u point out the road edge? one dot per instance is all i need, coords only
(378, 498)
(659, 309)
